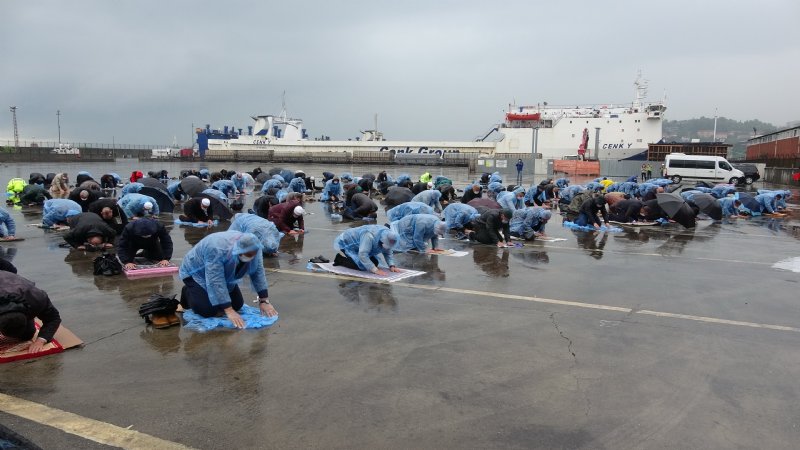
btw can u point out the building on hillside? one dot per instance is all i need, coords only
(657, 152)
(778, 149)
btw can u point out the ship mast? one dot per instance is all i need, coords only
(640, 90)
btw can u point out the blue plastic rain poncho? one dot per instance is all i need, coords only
(728, 206)
(534, 193)
(266, 231)
(297, 185)
(225, 186)
(496, 178)
(270, 184)
(509, 200)
(689, 195)
(204, 174)
(440, 180)
(238, 182)
(703, 189)
(779, 203)
(7, 225)
(365, 242)
(495, 187)
(116, 176)
(133, 204)
(286, 175)
(403, 178)
(614, 187)
(414, 231)
(175, 190)
(632, 179)
(644, 188)
(346, 177)
(458, 215)
(58, 209)
(767, 203)
(723, 190)
(561, 183)
(594, 186)
(282, 194)
(408, 208)
(628, 187)
(661, 182)
(566, 194)
(219, 195)
(526, 221)
(332, 188)
(130, 188)
(212, 263)
(84, 173)
(431, 198)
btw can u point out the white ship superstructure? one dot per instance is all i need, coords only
(604, 131)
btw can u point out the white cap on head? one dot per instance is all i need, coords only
(430, 185)
(148, 205)
(299, 211)
(205, 202)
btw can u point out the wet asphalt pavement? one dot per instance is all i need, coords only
(661, 338)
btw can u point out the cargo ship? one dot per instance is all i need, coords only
(602, 131)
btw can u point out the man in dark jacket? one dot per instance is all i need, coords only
(148, 235)
(420, 186)
(196, 209)
(83, 197)
(20, 302)
(88, 231)
(110, 212)
(360, 206)
(589, 210)
(33, 194)
(472, 193)
(492, 227)
(626, 211)
(287, 216)
(261, 207)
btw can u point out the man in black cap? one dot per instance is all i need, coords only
(147, 235)
(492, 227)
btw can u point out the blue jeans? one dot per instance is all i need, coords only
(584, 220)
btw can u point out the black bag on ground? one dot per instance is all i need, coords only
(107, 265)
(158, 304)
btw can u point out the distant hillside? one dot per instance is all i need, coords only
(729, 131)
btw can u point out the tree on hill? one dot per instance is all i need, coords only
(729, 131)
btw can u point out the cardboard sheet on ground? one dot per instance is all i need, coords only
(13, 350)
(195, 224)
(448, 252)
(143, 270)
(634, 224)
(12, 240)
(45, 227)
(252, 320)
(390, 276)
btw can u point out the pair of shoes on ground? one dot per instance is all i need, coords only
(319, 260)
(160, 320)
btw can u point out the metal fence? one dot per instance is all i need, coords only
(49, 145)
(781, 175)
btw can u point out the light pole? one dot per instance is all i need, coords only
(58, 115)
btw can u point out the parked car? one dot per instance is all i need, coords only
(750, 171)
(700, 167)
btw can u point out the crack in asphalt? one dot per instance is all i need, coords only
(111, 335)
(574, 363)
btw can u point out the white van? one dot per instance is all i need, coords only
(700, 167)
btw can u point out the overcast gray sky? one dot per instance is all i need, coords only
(143, 71)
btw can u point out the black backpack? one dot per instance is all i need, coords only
(158, 304)
(107, 265)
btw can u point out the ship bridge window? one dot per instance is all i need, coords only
(638, 129)
(638, 140)
(573, 134)
(620, 121)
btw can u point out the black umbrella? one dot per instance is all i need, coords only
(685, 216)
(262, 177)
(397, 196)
(484, 203)
(218, 209)
(153, 183)
(670, 202)
(275, 171)
(708, 205)
(192, 186)
(704, 184)
(370, 176)
(748, 201)
(162, 197)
